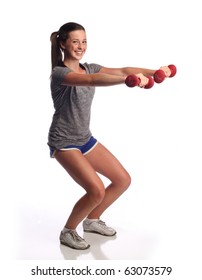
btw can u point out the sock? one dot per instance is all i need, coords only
(67, 229)
(91, 220)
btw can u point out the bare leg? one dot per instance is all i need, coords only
(106, 164)
(84, 174)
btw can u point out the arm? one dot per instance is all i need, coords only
(97, 79)
(141, 73)
(128, 71)
(108, 76)
(135, 71)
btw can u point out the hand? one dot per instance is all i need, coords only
(166, 70)
(135, 80)
(143, 80)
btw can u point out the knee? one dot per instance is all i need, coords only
(124, 181)
(96, 194)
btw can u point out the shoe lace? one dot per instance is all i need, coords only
(75, 236)
(100, 222)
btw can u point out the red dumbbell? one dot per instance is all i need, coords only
(150, 83)
(133, 81)
(159, 75)
(173, 70)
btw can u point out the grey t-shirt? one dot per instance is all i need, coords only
(71, 119)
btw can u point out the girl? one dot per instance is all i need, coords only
(70, 140)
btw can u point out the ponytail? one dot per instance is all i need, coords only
(56, 53)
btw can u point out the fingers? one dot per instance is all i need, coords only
(166, 70)
(139, 80)
(148, 81)
(143, 80)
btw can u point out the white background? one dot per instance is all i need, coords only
(155, 133)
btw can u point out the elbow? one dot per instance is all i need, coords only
(91, 81)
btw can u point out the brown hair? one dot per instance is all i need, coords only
(58, 37)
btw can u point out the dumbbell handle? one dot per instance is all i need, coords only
(159, 75)
(133, 81)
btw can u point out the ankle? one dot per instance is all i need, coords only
(92, 219)
(65, 229)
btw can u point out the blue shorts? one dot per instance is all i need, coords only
(84, 149)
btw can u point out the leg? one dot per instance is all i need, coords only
(79, 168)
(106, 164)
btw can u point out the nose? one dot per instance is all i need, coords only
(81, 45)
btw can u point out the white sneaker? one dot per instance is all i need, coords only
(98, 226)
(73, 240)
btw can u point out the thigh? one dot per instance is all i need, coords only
(79, 168)
(105, 163)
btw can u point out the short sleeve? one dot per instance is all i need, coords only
(93, 67)
(58, 74)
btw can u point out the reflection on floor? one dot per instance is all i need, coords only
(122, 246)
(43, 244)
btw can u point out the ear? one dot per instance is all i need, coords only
(62, 45)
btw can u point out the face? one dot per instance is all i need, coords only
(76, 45)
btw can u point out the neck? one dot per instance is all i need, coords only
(72, 64)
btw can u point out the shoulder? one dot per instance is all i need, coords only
(92, 67)
(59, 72)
